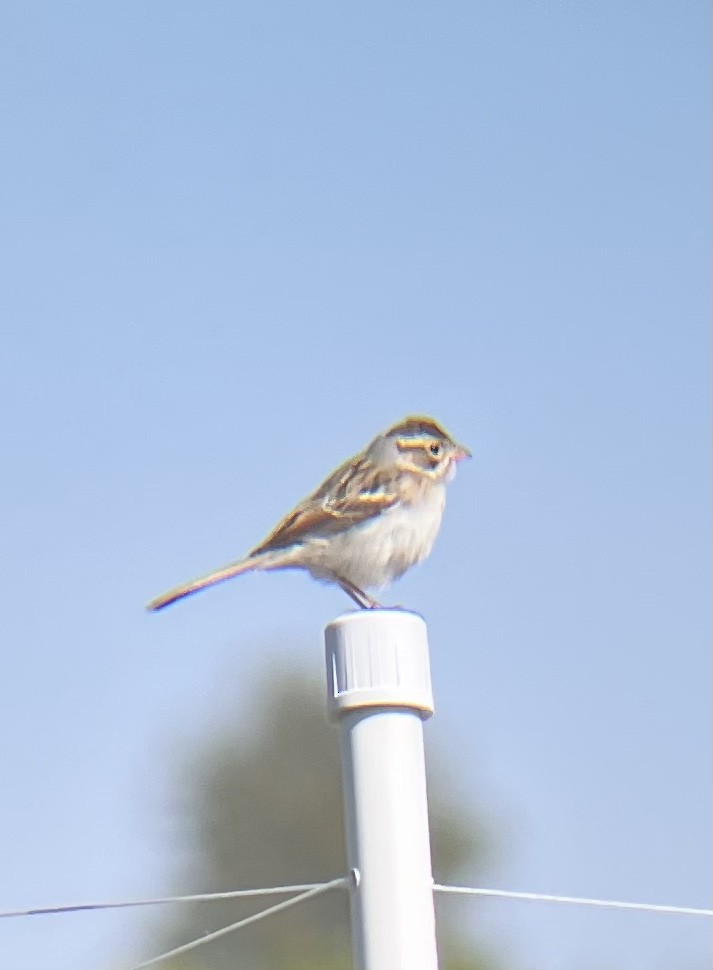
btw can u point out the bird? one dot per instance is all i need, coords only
(373, 518)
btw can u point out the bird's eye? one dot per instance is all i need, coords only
(435, 449)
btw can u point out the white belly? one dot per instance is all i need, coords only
(375, 553)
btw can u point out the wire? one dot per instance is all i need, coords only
(195, 898)
(302, 888)
(577, 900)
(271, 910)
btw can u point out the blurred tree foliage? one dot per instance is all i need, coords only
(265, 809)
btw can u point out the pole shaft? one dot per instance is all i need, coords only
(377, 665)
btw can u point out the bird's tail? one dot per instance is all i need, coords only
(196, 585)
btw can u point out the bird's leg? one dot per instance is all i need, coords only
(361, 598)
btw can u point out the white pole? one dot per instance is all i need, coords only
(379, 685)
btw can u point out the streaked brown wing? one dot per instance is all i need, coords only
(354, 493)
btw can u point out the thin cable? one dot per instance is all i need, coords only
(196, 898)
(305, 887)
(270, 911)
(577, 900)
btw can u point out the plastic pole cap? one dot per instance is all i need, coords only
(378, 658)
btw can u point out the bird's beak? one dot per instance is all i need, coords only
(461, 452)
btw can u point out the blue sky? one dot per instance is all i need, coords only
(239, 240)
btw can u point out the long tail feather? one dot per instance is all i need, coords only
(195, 585)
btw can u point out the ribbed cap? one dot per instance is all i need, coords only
(378, 658)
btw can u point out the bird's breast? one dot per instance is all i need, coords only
(376, 552)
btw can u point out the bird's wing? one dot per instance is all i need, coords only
(356, 492)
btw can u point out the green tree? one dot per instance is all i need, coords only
(264, 808)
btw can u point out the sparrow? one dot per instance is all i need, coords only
(372, 519)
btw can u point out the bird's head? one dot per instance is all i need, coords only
(420, 445)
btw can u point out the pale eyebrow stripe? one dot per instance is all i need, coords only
(410, 444)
